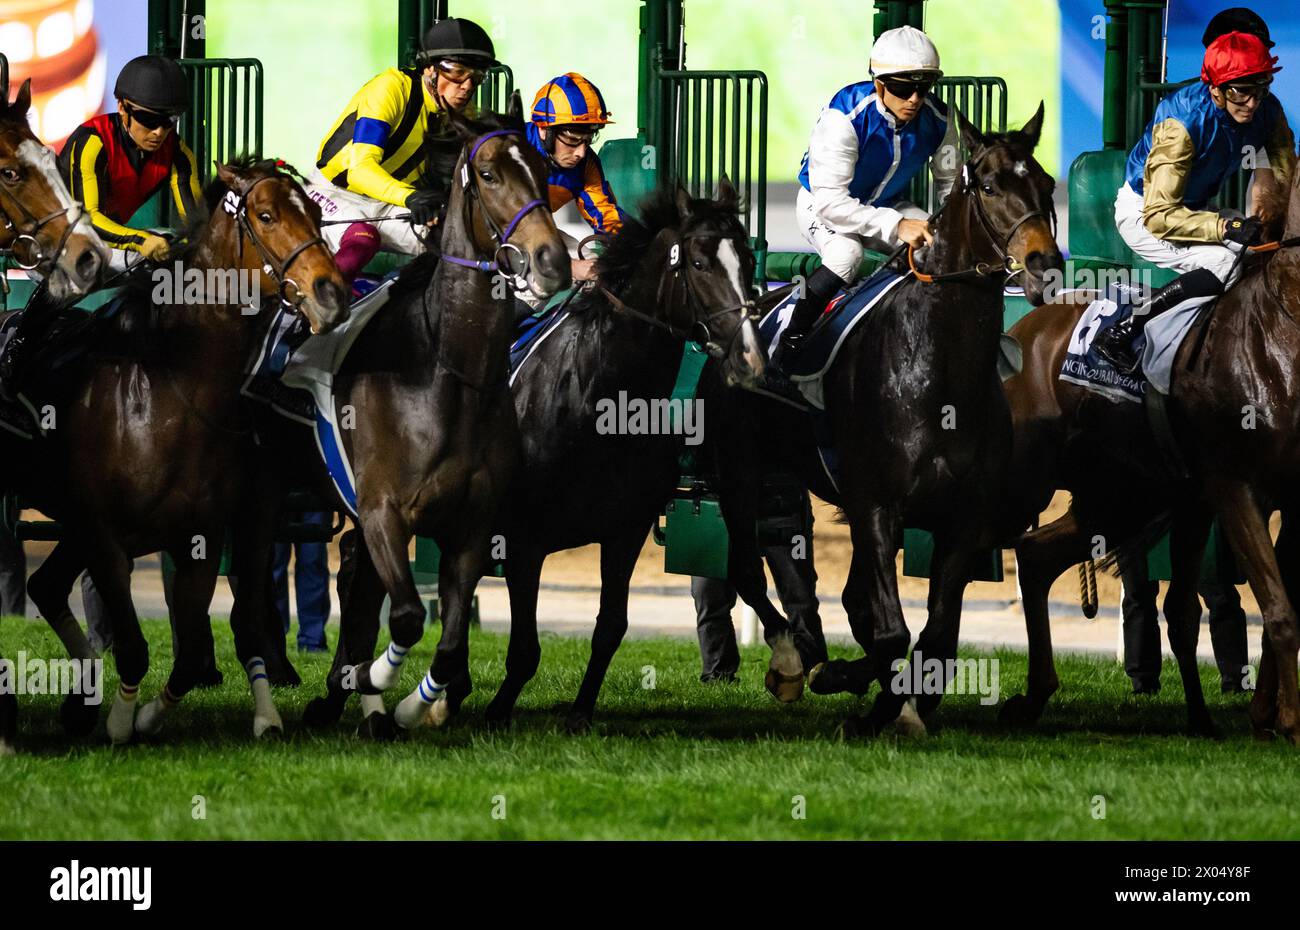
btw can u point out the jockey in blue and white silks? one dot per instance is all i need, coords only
(869, 143)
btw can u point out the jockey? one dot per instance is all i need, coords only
(868, 144)
(113, 164)
(372, 156)
(1193, 144)
(568, 113)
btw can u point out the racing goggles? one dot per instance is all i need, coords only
(152, 119)
(458, 72)
(1247, 90)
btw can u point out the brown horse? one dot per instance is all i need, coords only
(150, 450)
(41, 227)
(435, 439)
(1233, 410)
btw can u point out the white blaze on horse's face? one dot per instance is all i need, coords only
(519, 157)
(729, 259)
(41, 160)
(1021, 169)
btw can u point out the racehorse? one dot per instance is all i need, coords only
(149, 453)
(435, 440)
(919, 419)
(1233, 411)
(43, 229)
(681, 272)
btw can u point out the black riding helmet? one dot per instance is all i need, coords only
(460, 40)
(1236, 19)
(154, 83)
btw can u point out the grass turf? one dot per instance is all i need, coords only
(681, 760)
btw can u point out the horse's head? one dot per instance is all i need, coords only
(1011, 196)
(500, 185)
(264, 222)
(686, 267)
(711, 251)
(44, 229)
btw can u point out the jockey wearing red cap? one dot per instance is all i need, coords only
(1198, 137)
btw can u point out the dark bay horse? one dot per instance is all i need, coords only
(685, 271)
(1234, 410)
(919, 419)
(435, 440)
(150, 450)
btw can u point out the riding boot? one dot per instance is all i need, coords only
(821, 286)
(1116, 344)
(33, 321)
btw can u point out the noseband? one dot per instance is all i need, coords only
(30, 228)
(469, 185)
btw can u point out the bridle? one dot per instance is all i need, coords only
(30, 227)
(469, 186)
(1008, 264)
(700, 322)
(278, 269)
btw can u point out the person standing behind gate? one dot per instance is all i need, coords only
(870, 141)
(796, 586)
(369, 161)
(311, 578)
(1196, 140)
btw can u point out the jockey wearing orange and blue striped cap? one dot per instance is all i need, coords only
(568, 113)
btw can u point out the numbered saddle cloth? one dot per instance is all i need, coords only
(1156, 348)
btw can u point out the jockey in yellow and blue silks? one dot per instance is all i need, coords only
(568, 113)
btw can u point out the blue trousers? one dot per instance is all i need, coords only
(311, 584)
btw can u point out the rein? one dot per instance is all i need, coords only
(237, 206)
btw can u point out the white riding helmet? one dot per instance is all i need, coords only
(905, 50)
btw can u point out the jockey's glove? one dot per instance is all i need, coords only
(1243, 231)
(424, 206)
(155, 248)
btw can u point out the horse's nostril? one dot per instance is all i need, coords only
(88, 264)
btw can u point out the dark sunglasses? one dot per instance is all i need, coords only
(905, 89)
(150, 119)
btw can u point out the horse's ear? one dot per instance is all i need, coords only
(230, 177)
(4, 80)
(459, 124)
(515, 109)
(1033, 129)
(727, 195)
(683, 202)
(23, 100)
(971, 137)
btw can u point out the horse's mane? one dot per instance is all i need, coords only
(625, 252)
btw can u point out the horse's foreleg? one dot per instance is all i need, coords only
(837, 676)
(950, 572)
(49, 587)
(388, 537)
(1190, 529)
(1041, 556)
(875, 533)
(523, 578)
(110, 567)
(617, 560)
(8, 722)
(192, 588)
(1247, 529)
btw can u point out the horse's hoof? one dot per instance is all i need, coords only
(498, 716)
(121, 722)
(909, 723)
(321, 712)
(851, 729)
(271, 733)
(77, 717)
(786, 689)
(577, 723)
(285, 676)
(439, 713)
(7, 748)
(828, 677)
(1017, 711)
(210, 677)
(270, 725)
(150, 718)
(377, 728)
(1203, 728)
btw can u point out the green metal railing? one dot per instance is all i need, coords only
(983, 101)
(494, 93)
(225, 117)
(721, 128)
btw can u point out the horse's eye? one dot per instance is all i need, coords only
(264, 217)
(486, 176)
(9, 175)
(697, 264)
(987, 188)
